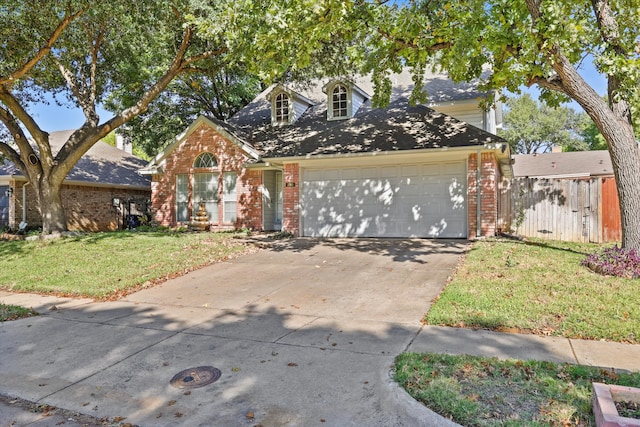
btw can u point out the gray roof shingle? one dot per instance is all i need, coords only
(102, 164)
(396, 127)
(569, 164)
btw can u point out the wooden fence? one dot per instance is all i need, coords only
(577, 210)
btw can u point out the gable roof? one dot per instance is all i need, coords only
(398, 127)
(101, 165)
(438, 86)
(563, 165)
(226, 130)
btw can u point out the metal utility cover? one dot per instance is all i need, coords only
(195, 377)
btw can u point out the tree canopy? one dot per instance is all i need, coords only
(82, 52)
(525, 43)
(533, 127)
(218, 93)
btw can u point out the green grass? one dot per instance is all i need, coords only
(106, 265)
(480, 391)
(14, 312)
(539, 287)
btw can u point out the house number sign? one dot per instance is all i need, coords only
(289, 184)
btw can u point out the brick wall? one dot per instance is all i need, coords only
(291, 198)
(230, 158)
(490, 175)
(250, 200)
(88, 208)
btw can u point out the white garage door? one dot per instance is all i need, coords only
(424, 200)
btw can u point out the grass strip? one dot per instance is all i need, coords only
(14, 312)
(539, 287)
(481, 391)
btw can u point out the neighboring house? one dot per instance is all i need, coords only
(562, 196)
(318, 160)
(574, 164)
(102, 189)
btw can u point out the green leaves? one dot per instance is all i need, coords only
(531, 127)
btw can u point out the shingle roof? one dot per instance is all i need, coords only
(569, 164)
(397, 127)
(438, 86)
(102, 164)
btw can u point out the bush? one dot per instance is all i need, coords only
(615, 261)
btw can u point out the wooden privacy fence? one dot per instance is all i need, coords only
(577, 210)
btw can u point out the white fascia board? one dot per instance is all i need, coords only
(386, 156)
(292, 93)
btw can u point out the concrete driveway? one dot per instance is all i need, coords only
(304, 332)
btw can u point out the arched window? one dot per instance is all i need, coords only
(205, 160)
(281, 108)
(339, 101)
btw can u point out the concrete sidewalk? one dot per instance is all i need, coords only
(302, 336)
(106, 356)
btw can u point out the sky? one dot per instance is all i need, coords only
(52, 117)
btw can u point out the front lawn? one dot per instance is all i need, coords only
(539, 287)
(481, 391)
(107, 265)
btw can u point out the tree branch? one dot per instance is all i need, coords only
(82, 139)
(42, 52)
(552, 83)
(18, 136)
(610, 33)
(204, 55)
(18, 113)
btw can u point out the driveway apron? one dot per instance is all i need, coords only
(304, 332)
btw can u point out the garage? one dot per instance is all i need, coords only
(412, 200)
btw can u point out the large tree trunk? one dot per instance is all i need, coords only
(625, 157)
(54, 219)
(614, 122)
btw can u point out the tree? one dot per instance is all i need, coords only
(82, 51)
(591, 136)
(531, 127)
(220, 93)
(531, 42)
(86, 52)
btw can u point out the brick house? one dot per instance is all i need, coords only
(318, 160)
(102, 189)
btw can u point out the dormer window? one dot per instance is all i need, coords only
(287, 106)
(343, 99)
(281, 108)
(339, 102)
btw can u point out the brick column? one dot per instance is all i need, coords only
(489, 199)
(472, 199)
(489, 195)
(291, 199)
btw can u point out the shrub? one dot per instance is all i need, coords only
(615, 261)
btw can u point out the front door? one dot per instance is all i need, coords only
(272, 200)
(277, 225)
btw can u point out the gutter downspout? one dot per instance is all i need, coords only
(478, 194)
(24, 202)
